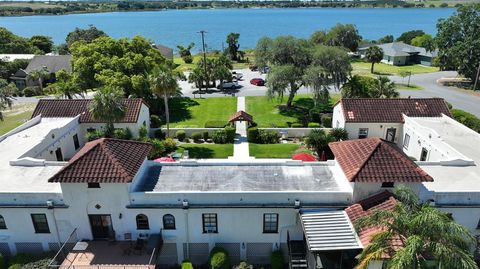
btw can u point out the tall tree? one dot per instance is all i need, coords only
(107, 105)
(64, 85)
(458, 41)
(43, 43)
(13, 44)
(163, 82)
(374, 54)
(384, 88)
(86, 35)
(345, 35)
(425, 41)
(319, 37)
(408, 36)
(386, 39)
(6, 96)
(39, 75)
(185, 53)
(425, 234)
(318, 140)
(233, 46)
(358, 87)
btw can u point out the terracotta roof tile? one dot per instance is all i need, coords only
(376, 160)
(241, 115)
(391, 110)
(104, 161)
(64, 108)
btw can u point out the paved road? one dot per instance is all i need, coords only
(431, 88)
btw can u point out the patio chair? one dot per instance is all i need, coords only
(139, 246)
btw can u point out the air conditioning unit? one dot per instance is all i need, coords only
(49, 204)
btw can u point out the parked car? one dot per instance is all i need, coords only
(257, 81)
(228, 85)
(237, 75)
(264, 70)
(253, 68)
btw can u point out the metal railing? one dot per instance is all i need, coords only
(64, 250)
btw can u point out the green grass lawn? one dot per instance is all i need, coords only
(405, 87)
(363, 68)
(266, 112)
(207, 151)
(182, 66)
(194, 112)
(12, 120)
(284, 151)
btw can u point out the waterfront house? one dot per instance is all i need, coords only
(399, 53)
(164, 50)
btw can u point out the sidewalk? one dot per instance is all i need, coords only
(240, 146)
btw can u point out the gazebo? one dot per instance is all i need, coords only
(241, 116)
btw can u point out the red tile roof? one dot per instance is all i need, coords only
(104, 160)
(65, 108)
(363, 208)
(376, 160)
(391, 110)
(241, 115)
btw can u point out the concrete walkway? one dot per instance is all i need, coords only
(240, 146)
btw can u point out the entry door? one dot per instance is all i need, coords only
(423, 156)
(101, 226)
(391, 134)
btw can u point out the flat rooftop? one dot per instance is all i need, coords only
(248, 177)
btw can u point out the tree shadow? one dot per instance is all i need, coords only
(197, 152)
(299, 110)
(179, 108)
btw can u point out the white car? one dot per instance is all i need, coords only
(228, 85)
(237, 75)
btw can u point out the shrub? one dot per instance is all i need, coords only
(269, 137)
(315, 114)
(205, 135)
(467, 119)
(155, 121)
(158, 149)
(313, 125)
(169, 144)
(219, 259)
(188, 59)
(123, 133)
(276, 259)
(31, 91)
(159, 134)
(187, 264)
(443, 5)
(296, 125)
(143, 132)
(243, 265)
(327, 121)
(338, 134)
(253, 135)
(180, 135)
(215, 124)
(197, 136)
(90, 136)
(219, 137)
(230, 131)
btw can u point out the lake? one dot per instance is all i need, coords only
(172, 27)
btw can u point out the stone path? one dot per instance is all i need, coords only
(240, 146)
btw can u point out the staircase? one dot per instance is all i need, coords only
(297, 253)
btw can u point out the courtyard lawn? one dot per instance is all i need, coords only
(194, 112)
(206, 151)
(283, 151)
(268, 113)
(363, 68)
(15, 117)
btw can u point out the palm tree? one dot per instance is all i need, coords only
(318, 140)
(64, 85)
(107, 105)
(374, 54)
(414, 234)
(39, 75)
(384, 88)
(164, 83)
(6, 99)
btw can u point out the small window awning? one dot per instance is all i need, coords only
(329, 230)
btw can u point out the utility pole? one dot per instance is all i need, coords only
(476, 78)
(203, 32)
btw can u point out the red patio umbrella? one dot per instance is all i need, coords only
(164, 160)
(304, 157)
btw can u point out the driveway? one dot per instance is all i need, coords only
(459, 99)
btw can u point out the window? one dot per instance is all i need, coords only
(40, 223)
(93, 185)
(3, 225)
(75, 141)
(270, 223)
(406, 141)
(209, 223)
(168, 222)
(423, 155)
(388, 184)
(362, 133)
(391, 134)
(142, 222)
(59, 155)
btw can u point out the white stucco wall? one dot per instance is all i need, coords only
(375, 130)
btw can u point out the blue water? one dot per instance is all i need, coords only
(174, 27)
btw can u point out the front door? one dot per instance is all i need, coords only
(101, 226)
(391, 134)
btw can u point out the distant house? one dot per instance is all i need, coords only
(13, 57)
(165, 51)
(399, 53)
(51, 63)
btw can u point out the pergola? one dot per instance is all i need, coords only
(241, 116)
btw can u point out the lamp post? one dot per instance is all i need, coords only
(203, 32)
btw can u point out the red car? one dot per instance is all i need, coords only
(257, 81)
